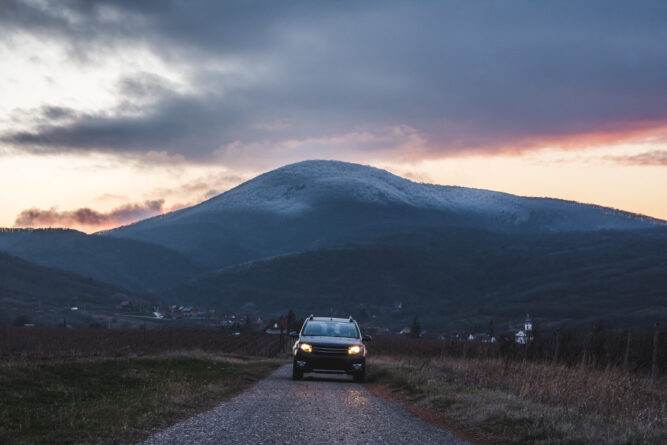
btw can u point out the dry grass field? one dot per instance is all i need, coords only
(117, 386)
(576, 389)
(532, 402)
(115, 400)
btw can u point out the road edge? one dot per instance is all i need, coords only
(435, 417)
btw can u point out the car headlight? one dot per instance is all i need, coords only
(354, 349)
(305, 347)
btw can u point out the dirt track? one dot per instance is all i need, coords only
(319, 409)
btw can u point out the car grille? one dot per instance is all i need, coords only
(330, 350)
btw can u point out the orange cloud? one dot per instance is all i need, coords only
(653, 158)
(87, 218)
(605, 135)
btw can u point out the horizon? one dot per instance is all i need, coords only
(115, 112)
(82, 228)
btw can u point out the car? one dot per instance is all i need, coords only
(330, 345)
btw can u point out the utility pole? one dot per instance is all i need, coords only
(6, 339)
(626, 356)
(654, 365)
(557, 345)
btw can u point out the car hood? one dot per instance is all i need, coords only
(329, 341)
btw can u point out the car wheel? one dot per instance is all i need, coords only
(297, 374)
(361, 377)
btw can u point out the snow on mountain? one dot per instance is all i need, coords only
(302, 187)
(297, 187)
(317, 204)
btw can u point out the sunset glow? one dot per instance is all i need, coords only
(116, 112)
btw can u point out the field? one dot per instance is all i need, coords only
(118, 400)
(638, 352)
(116, 386)
(528, 402)
(51, 343)
(569, 388)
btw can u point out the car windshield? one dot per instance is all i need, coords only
(331, 329)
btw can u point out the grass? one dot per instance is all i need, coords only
(532, 402)
(39, 343)
(115, 400)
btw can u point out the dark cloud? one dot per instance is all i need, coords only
(144, 86)
(88, 217)
(653, 158)
(51, 113)
(463, 75)
(169, 122)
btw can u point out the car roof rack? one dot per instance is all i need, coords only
(351, 319)
(311, 317)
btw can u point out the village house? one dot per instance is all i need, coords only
(253, 323)
(189, 311)
(482, 338)
(228, 320)
(278, 326)
(405, 331)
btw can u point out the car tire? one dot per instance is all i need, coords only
(361, 377)
(297, 374)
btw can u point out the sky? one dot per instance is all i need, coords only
(113, 111)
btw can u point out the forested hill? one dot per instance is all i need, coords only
(39, 292)
(458, 278)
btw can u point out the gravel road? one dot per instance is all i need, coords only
(318, 410)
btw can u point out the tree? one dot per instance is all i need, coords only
(291, 321)
(20, 320)
(415, 328)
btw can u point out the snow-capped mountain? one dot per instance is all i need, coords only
(325, 203)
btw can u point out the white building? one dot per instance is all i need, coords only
(526, 335)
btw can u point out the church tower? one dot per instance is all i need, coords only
(528, 329)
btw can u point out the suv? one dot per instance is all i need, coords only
(330, 345)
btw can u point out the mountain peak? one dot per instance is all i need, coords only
(327, 168)
(330, 190)
(296, 187)
(314, 204)
(314, 171)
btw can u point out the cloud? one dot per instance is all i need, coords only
(87, 217)
(54, 113)
(467, 77)
(201, 188)
(649, 158)
(398, 142)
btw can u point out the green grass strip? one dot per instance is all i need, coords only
(115, 400)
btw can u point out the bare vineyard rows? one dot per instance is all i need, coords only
(48, 343)
(644, 353)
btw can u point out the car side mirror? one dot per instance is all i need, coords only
(367, 338)
(294, 334)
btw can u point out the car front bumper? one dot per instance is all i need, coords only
(349, 364)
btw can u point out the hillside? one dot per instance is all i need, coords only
(43, 293)
(126, 263)
(318, 235)
(458, 278)
(319, 204)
